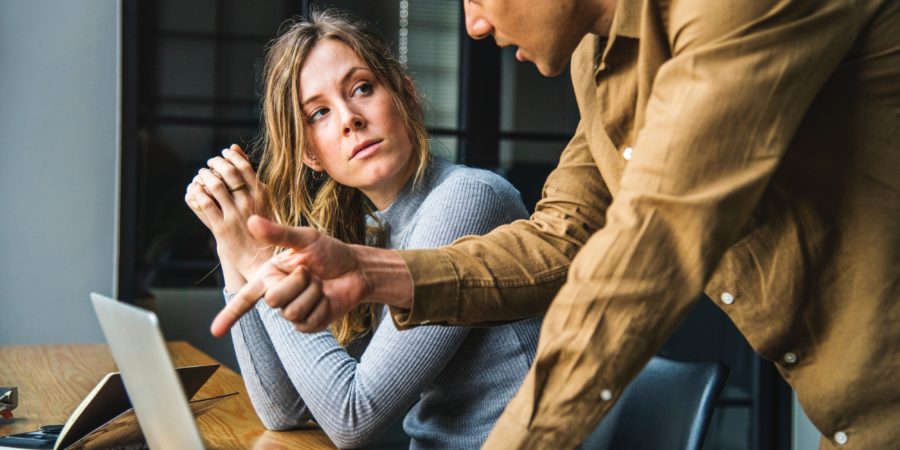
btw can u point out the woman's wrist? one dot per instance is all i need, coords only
(233, 282)
(233, 278)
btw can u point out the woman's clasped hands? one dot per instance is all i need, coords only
(224, 195)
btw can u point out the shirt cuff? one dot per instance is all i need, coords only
(435, 289)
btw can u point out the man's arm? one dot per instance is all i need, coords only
(722, 113)
(514, 271)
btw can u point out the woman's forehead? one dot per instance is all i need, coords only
(330, 62)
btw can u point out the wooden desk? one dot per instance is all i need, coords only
(53, 379)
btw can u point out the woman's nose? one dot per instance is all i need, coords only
(353, 122)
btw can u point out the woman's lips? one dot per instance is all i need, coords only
(365, 149)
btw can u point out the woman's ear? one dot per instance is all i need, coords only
(312, 162)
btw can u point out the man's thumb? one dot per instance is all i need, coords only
(296, 238)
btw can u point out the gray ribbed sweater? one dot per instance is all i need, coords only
(457, 380)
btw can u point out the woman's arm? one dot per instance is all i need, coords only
(222, 196)
(274, 398)
(355, 400)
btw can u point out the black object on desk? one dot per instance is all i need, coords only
(44, 438)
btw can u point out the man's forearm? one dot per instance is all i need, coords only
(387, 278)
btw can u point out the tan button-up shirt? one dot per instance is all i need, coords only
(749, 148)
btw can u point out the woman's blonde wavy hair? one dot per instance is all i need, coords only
(295, 195)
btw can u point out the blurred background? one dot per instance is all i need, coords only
(109, 107)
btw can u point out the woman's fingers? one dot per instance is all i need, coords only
(230, 175)
(200, 201)
(256, 201)
(216, 187)
(236, 156)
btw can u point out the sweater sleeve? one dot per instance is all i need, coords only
(274, 398)
(353, 400)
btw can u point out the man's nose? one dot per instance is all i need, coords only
(476, 25)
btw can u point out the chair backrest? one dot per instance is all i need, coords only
(667, 406)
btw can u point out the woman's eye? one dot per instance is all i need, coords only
(317, 114)
(364, 89)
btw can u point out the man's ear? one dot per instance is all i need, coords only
(312, 162)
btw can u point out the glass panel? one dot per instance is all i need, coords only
(190, 16)
(241, 68)
(245, 111)
(382, 13)
(233, 135)
(250, 17)
(183, 143)
(429, 44)
(186, 67)
(446, 147)
(517, 152)
(530, 102)
(526, 165)
(177, 107)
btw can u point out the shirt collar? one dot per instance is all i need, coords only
(627, 19)
(626, 24)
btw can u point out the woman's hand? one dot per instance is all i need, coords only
(223, 196)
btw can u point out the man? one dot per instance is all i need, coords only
(750, 148)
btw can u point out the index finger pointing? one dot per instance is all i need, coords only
(240, 304)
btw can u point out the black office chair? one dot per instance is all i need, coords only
(666, 407)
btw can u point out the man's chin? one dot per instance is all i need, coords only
(550, 69)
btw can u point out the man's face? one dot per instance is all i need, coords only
(546, 32)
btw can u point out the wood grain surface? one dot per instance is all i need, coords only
(53, 379)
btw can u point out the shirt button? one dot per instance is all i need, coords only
(790, 357)
(727, 298)
(841, 438)
(606, 395)
(627, 153)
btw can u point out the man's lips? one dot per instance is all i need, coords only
(364, 147)
(520, 55)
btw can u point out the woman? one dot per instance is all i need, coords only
(346, 152)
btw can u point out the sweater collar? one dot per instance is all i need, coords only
(401, 211)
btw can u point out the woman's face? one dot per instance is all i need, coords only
(356, 134)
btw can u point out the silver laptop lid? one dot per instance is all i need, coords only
(156, 394)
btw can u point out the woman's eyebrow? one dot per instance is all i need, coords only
(346, 77)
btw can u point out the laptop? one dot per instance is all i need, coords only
(141, 355)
